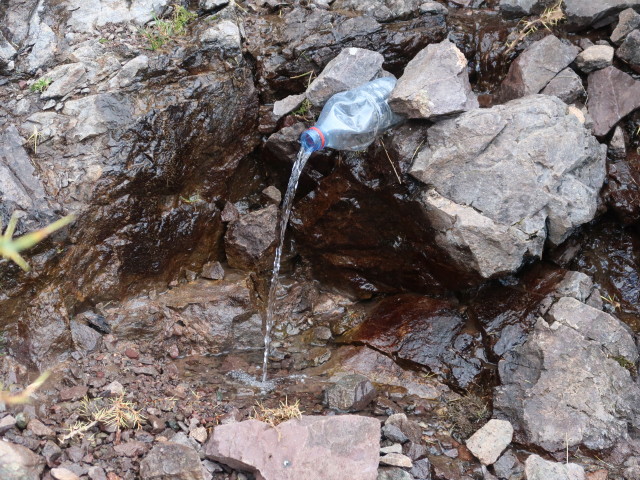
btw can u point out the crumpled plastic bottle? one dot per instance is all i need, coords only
(352, 120)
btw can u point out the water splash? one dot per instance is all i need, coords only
(285, 211)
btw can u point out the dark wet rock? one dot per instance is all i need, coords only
(490, 220)
(545, 386)
(536, 67)
(584, 13)
(393, 473)
(537, 468)
(595, 58)
(425, 331)
(622, 192)
(415, 451)
(308, 45)
(170, 460)
(421, 469)
(617, 145)
(52, 453)
(383, 11)
(394, 434)
(490, 441)
(250, 241)
(566, 85)
(435, 83)
(612, 95)
(629, 51)
(345, 446)
(628, 20)
(19, 463)
(350, 393)
(351, 68)
(217, 316)
(508, 466)
(212, 271)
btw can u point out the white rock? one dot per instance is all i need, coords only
(536, 468)
(488, 443)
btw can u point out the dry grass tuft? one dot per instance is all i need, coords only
(276, 416)
(549, 18)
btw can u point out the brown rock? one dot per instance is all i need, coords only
(601, 474)
(131, 353)
(331, 448)
(40, 429)
(212, 271)
(73, 393)
(251, 240)
(612, 95)
(171, 461)
(63, 474)
(19, 463)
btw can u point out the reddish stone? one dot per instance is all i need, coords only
(133, 448)
(131, 353)
(331, 448)
(612, 95)
(73, 393)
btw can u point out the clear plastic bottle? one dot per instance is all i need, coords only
(351, 120)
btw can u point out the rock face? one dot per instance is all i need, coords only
(585, 13)
(612, 95)
(425, 331)
(536, 468)
(171, 460)
(434, 83)
(332, 448)
(549, 395)
(490, 219)
(251, 240)
(488, 443)
(350, 69)
(536, 67)
(218, 316)
(19, 463)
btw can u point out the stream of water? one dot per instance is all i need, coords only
(285, 211)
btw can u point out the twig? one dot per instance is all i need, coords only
(78, 431)
(25, 395)
(391, 162)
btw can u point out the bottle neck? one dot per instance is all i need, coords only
(312, 139)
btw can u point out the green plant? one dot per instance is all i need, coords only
(10, 247)
(549, 18)
(41, 85)
(103, 40)
(626, 364)
(164, 30)
(304, 108)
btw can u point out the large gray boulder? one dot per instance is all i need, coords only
(331, 448)
(505, 179)
(351, 68)
(536, 67)
(568, 385)
(434, 83)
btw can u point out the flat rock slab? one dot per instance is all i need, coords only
(596, 13)
(536, 67)
(490, 441)
(434, 83)
(329, 448)
(19, 463)
(171, 460)
(612, 94)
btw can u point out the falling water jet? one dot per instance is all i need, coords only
(285, 211)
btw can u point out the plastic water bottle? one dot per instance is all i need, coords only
(351, 120)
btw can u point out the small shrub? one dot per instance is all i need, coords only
(549, 18)
(41, 85)
(164, 31)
